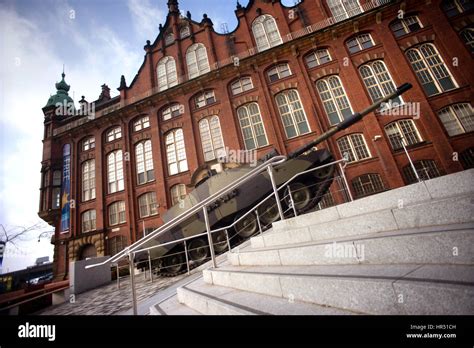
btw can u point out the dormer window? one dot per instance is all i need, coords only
(184, 32)
(114, 134)
(278, 72)
(169, 38)
(360, 43)
(172, 111)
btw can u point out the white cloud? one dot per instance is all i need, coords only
(146, 18)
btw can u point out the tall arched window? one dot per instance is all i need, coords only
(117, 213)
(342, 9)
(88, 180)
(176, 152)
(166, 72)
(211, 138)
(115, 171)
(144, 159)
(292, 113)
(402, 130)
(251, 125)
(147, 204)
(265, 32)
(196, 60)
(430, 69)
(377, 80)
(334, 99)
(88, 221)
(457, 118)
(178, 192)
(354, 147)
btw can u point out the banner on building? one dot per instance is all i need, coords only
(66, 189)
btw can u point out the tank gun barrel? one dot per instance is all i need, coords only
(350, 120)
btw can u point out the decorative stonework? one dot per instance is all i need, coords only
(86, 156)
(170, 126)
(141, 136)
(244, 100)
(326, 72)
(75, 246)
(417, 39)
(370, 56)
(283, 86)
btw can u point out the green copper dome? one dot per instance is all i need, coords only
(61, 95)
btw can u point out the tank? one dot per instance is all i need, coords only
(306, 191)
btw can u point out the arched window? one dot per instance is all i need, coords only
(204, 98)
(430, 69)
(184, 32)
(457, 118)
(342, 9)
(353, 147)
(405, 26)
(367, 184)
(56, 191)
(211, 138)
(144, 159)
(241, 85)
(426, 169)
(141, 123)
(467, 158)
(88, 221)
(169, 38)
(265, 32)
(117, 213)
(176, 152)
(251, 125)
(454, 7)
(292, 113)
(402, 130)
(378, 81)
(467, 35)
(318, 57)
(114, 134)
(278, 72)
(88, 144)
(116, 244)
(88, 180)
(359, 43)
(115, 171)
(147, 204)
(178, 192)
(166, 72)
(334, 99)
(171, 111)
(196, 60)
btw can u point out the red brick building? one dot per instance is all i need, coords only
(284, 75)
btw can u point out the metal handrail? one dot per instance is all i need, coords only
(187, 214)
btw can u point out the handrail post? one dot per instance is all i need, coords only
(341, 168)
(209, 236)
(277, 198)
(132, 281)
(149, 266)
(228, 241)
(186, 254)
(258, 221)
(292, 202)
(118, 276)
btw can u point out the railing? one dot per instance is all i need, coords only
(370, 5)
(254, 213)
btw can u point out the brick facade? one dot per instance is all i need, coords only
(143, 98)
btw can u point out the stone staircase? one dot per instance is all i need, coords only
(404, 251)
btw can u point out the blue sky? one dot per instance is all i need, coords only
(98, 41)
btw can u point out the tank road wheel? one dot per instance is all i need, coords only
(220, 242)
(174, 263)
(247, 226)
(198, 249)
(268, 212)
(301, 194)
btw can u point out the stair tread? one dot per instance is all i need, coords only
(260, 304)
(450, 274)
(171, 306)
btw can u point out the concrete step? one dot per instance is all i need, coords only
(372, 289)
(453, 244)
(171, 306)
(305, 228)
(216, 300)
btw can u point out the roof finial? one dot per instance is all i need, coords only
(63, 74)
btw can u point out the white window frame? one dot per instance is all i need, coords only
(242, 85)
(423, 168)
(375, 184)
(457, 4)
(203, 99)
(211, 138)
(147, 205)
(355, 146)
(398, 130)
(378, 80)
(114, 134)
(88, 144)
(404, 24)
(281, 70)
(459, 115)
(177, 192)
(291, 115)
(174, 110)
(251, 125)
(197, 61)
(117, 213)
(430, 69)
(88, 219)
(176, 152)
(333, 100)
(144, 161)
(115, 174)
(88, 180)
(467, 35)
(317, 57)
(265, 32)
(343, 9)
(360, 40)
(166, 73)
(141, 123)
